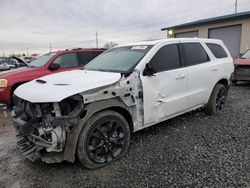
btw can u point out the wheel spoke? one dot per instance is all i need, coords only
(97, 152)
(113, 129)
(97, 135)
(106, 141)
(100, 132)
(93, 148)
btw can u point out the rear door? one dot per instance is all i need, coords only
(165, 93)
(200, 73)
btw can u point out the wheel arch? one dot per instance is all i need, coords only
(91, 109)
(13, 88)
(224, 82)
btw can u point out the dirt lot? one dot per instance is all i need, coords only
(190, 150)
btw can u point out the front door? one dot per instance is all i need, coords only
(164, 93)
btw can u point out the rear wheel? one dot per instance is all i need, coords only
(217, 100)
(104, 138)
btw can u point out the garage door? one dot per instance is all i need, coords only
(190, 34)
(231, 37)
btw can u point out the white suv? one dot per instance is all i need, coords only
(90, 113)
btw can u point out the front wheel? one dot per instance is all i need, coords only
(217, 100)
(104, 138)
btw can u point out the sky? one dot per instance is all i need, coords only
(32, 25)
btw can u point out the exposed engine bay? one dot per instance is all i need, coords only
(43, 127)
(49, 128)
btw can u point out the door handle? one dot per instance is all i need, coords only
(181, 76)
(214, 69)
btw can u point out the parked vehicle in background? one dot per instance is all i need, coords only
(47, 64)
(19, 62)
(29, 59)
(91, 113)
(4, 65)
(242, 68)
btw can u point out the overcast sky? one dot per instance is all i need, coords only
(33, 24)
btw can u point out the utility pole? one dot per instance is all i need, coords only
(27, 50)
(235, 6)
(96, 39)
(50, 48)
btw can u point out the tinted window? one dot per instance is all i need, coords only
(166, 58)
(193, 54)
(217, 50)
(85, 57)
(67, 60)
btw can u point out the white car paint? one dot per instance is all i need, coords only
(62, 85)
(165, 95)
(149, 99)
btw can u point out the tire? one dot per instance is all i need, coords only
(217, 100)
(104, 138)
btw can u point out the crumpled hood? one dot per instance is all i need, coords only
(56, 87)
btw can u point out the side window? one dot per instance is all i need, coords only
(85, 57)
(193, 54)
(67, 60)
(166, 58)
(217, 50)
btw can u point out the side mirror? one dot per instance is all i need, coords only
(54, 66)
(149, 70)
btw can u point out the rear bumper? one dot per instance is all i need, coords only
(5, 95)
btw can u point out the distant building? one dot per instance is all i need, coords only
(233, 30)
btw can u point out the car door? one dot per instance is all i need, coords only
(164, 93)
(199, 71)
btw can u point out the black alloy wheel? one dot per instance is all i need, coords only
(104, 138)
(221, 99)
(217, 100)
(106, 141)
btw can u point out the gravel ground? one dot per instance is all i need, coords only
(192, 150)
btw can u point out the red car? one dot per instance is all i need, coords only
(47, 64)
(242, 68)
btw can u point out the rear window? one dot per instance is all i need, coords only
(217, 50)
(193, 54)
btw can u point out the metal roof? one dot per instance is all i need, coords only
(212, 20)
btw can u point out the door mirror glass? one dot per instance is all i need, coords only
(149, 70)
(54, 66)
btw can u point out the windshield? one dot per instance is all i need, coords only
(41, 61)
(246, 55)
(120, 59)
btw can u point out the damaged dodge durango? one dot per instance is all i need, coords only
(89, 114)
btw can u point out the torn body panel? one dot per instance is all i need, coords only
(54, 128)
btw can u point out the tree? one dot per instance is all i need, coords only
(109, 45)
